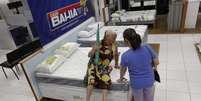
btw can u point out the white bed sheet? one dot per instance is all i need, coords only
(140, 29)
(75, 67)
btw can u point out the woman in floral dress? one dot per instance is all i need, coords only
(99, 74)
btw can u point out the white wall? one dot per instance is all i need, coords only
(192, 13)
(4, 8)
(6, 40)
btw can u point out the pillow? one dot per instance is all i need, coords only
(83, 34)
(121, 12)
(115, 15)
(95, 25)
(67, 49)
(115, 20)
(86, 34)
(50, 64)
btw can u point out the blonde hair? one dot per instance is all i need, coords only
(109, 33)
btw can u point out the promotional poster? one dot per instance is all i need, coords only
(54, 18)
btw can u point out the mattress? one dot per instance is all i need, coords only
(147, 15)
(73, 70)
(146, 3)
(142, 17)
(140, 29)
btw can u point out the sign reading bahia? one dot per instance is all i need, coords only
(54, 18)
(65, 15)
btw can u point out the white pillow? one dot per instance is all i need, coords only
(86, 34)
(121, 12)
(115, 15)
(50, 64)
(83, 34)
(95, 25)
(115, 20)
(67, 49)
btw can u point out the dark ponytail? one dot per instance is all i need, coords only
(133, 38)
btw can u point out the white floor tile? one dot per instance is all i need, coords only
(175, 62)
(196, 62)
(195, 88)
(176, 75)
(161, 86)
(175, 96)
(195, 97)
(163, 74)
(177, 67)
(177, 86)
(193, 67)
(12, 97)
(160, 95)
(194, 77)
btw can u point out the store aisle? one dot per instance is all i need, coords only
(179, 68)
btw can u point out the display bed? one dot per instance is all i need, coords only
(146, 3)
(66, 83)
(142, 17)
(142, 30)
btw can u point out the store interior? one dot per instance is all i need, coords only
(44, 47)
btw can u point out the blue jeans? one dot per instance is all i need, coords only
(144, 94)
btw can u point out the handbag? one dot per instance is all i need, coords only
(156, 74)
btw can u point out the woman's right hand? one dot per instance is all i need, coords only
(122, 80)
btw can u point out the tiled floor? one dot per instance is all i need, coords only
(179, 68)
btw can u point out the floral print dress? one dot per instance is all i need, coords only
(101, 73)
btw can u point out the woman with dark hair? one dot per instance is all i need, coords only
(138, 59)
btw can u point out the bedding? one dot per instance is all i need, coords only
(86, 34)
(73, 70)
(94, 25)
(67, 49)
(135, 16)
(50, 64)
(90, 30)
(140, 29)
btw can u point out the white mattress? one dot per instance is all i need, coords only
(140, 29)
(149, 3)
(135, 4)
(146, 3)
(145, 15)
(75, 67)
